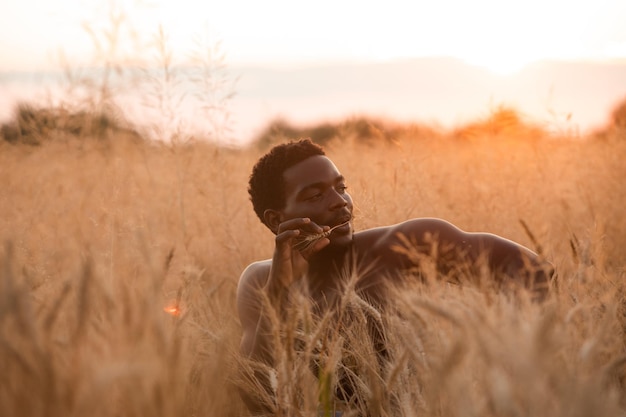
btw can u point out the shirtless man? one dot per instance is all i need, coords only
(295, 191)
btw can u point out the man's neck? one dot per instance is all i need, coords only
(328, 267)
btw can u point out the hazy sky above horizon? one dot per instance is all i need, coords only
(499, 35)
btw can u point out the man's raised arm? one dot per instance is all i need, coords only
(256, 339)
(504, 257)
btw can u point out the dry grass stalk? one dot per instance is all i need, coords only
(305, 240)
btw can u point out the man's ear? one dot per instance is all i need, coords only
(273, 218)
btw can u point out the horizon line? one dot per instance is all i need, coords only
(287, 65)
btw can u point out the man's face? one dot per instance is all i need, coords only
(316, 189)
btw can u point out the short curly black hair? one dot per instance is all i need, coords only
(267, 186)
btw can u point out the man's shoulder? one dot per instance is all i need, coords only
(413, 228)
(426, 225)
(255, 274)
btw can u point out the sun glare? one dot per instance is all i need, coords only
(501, 63)
(172, 309)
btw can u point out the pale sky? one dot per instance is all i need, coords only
(500, 35)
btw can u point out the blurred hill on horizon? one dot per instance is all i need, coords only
(572, 97)
(442, 91)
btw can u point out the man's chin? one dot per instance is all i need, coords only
(341, 241)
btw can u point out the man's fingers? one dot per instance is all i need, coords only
(300, 223)
(320, 244)
(285, 236)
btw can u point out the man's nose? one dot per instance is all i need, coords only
(338, 200)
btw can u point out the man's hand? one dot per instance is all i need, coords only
(289, 263)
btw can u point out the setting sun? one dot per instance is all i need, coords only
(503, 63)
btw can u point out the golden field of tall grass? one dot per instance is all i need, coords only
(120, 260)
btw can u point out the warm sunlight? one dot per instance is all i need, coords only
(475, 265)
(370, 40)
(503, 63)
(501, 36)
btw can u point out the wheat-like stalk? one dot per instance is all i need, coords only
(307, 240)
